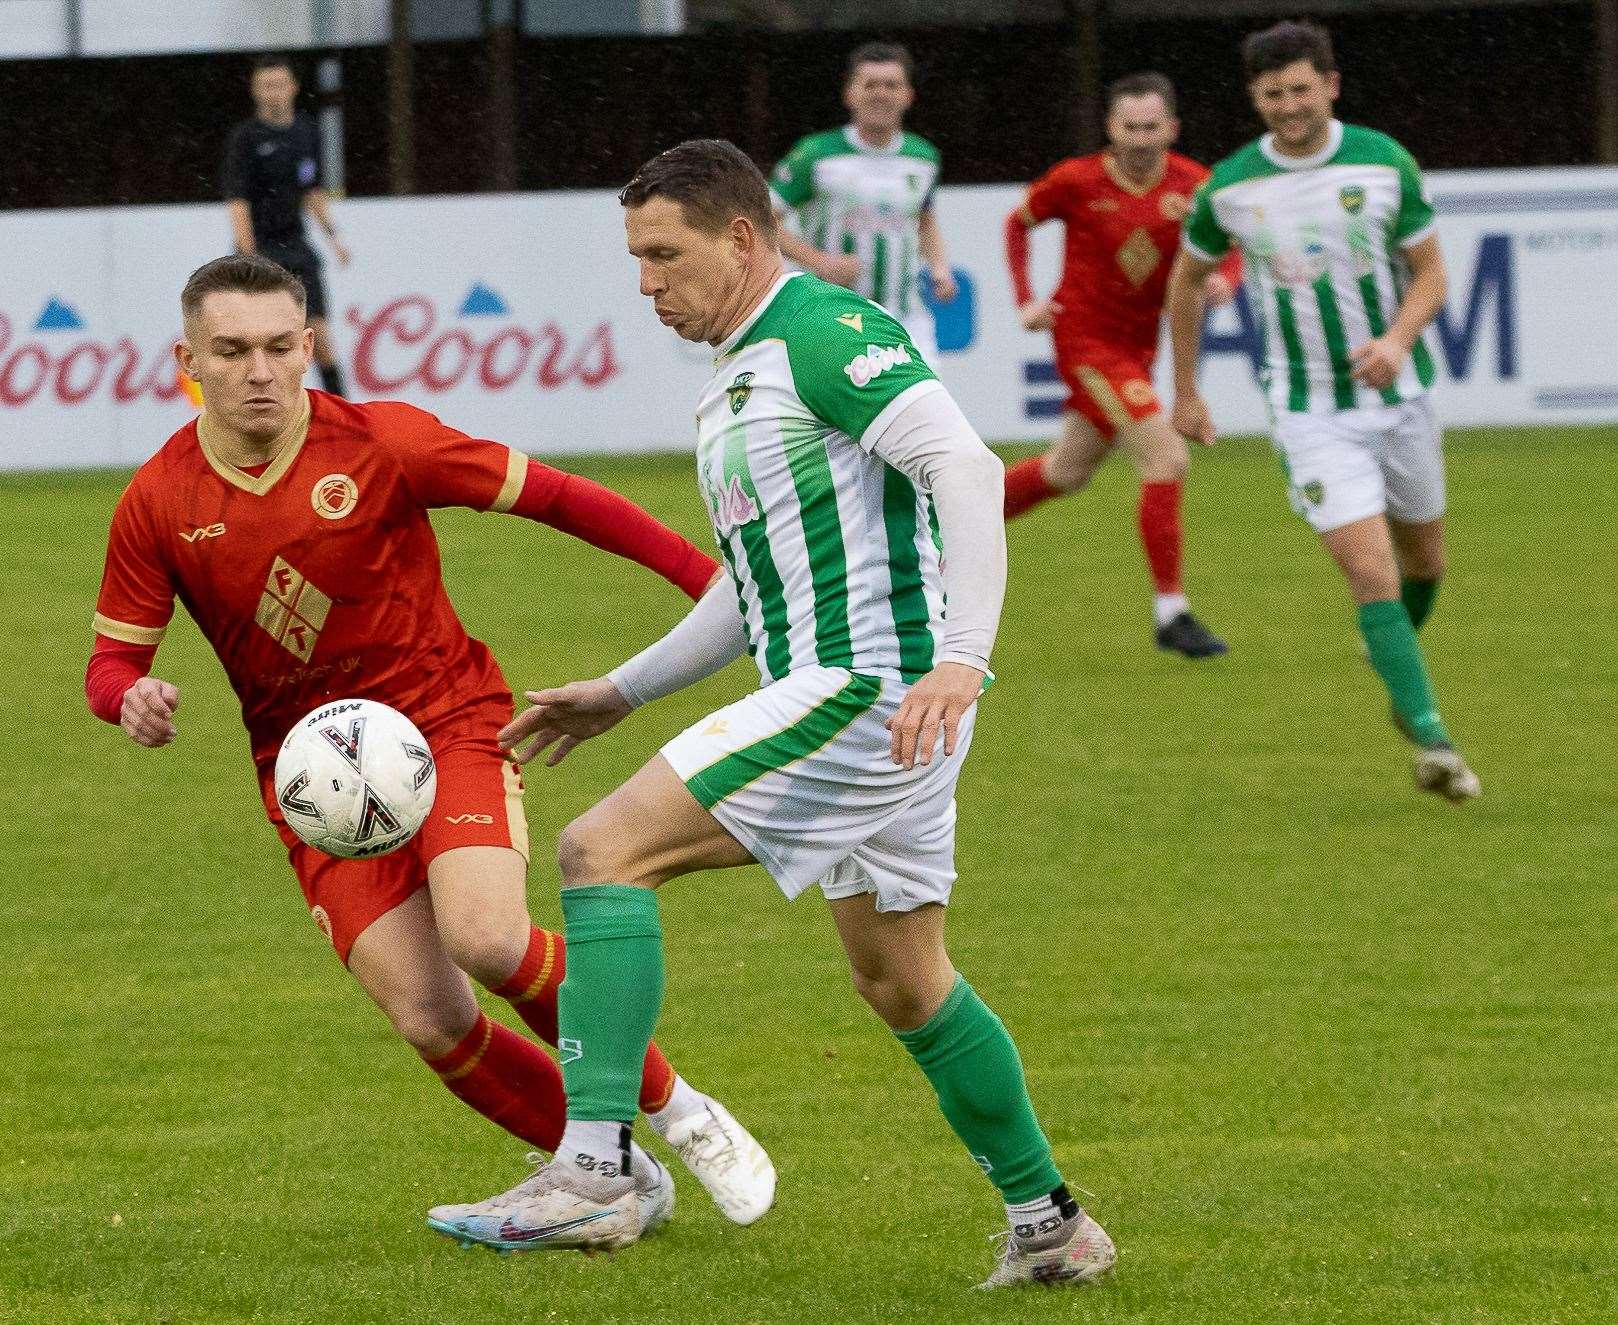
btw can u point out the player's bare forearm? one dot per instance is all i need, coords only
(315, 200)
(1184, 306)
(241, 225)
(1429, 286)
(930, 241)
(838, 268)
(1380, 360)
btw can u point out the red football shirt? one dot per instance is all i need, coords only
(1121, 242)
(318, 578)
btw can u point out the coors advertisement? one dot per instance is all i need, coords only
(517, 317)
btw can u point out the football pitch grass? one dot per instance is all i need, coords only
(1323, 1048)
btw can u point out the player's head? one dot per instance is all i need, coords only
(247, 342)
(699, 221)
(1292, 78)
(879, 87)
(1141, 122)
(274, 87)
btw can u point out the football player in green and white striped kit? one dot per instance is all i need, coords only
(858, 201)
(837, 472)
(1337, 229)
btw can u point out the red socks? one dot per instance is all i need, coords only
(1026, 486)
(510, 1080)
(531, 990)
(1159, 531)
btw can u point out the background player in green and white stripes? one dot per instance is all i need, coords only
(1342, 259)
(837, 471)
(858, 201)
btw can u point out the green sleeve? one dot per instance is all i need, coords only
(1415, 203)
(1202, 229)
(794, 178)
(850, 361)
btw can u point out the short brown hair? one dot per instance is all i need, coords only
(880, 52)
(1286, 43)
(1142, 85)
(714, 182)
(263, 62)
(246, 272)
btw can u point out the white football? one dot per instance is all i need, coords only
(355, 778)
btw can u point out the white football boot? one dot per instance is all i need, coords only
(555, 1207)
(726, 1160)
(1441, 769)
(1084, 1255)
(654, 1194)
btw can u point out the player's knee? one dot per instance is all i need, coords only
(1166, 465)
(591, 851)
(487, 946)
(1068, 472)
(1425, 563)
(432, 1028)
(900, 1001)
(1371, 581)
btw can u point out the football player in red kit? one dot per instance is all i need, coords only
(1122, 210)
(293, 526)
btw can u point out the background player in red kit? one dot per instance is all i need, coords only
(293, 526)
(1122, 210)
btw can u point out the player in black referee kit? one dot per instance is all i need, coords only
(272, 172)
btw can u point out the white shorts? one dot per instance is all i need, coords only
(801, 775)
(1355, 463)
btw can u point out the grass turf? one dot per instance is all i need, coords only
(1323, 1048)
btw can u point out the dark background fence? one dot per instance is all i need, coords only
(1482, 87)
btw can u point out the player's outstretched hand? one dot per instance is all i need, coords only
(562, 718)
(1190, 418)
(945, 286)
(840, 269)
(148, 711)
(935, 704)
(1039, 314)
(1377, 362)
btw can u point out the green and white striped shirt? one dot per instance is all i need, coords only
(848, 197)
(1324, 238)
(835, 554)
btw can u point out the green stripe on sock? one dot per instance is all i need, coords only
(607, 1006)
(970, 1059)
(1331, 325)
(724, 777)
(1297, 369)
(1396, 655)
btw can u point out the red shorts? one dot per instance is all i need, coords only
(1109, 385)
(479, 804)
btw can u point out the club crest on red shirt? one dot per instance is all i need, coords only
(334, 496)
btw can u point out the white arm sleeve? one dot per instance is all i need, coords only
(931, 441)
(710, 636)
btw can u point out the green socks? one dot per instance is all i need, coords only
(1418, 596)
(1391, 641)
(607, 1005)
(972, 1063)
